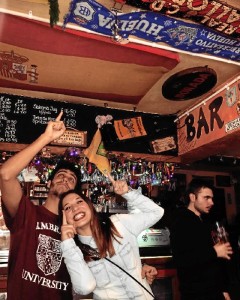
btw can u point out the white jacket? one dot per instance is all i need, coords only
(105, 280)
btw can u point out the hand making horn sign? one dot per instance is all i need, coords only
(120, 187)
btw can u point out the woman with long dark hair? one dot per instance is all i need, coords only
(102, 254)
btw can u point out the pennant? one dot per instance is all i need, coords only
(97, 154)
(216, 14)
(154, 27)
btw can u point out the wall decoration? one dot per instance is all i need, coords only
(162, 145)
(129, 128)
(72, 138)
(153, 27)
(97, 154)
(210, 124)
(53, 12)
(23, 119)
(231, 96)
(16, 66)
(217, 15)
(189, 83)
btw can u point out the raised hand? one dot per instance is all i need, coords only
(226, 296)
(67, 231)
(120, 187)
(55, 128)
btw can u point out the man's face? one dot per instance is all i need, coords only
(63, 181)
(202, 202)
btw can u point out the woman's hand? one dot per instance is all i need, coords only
(120, 187)
(67, 231)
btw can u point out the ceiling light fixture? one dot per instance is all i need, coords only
(116, 37)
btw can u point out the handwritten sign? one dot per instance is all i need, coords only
(162, 145)
(23, 119)
(72, 138)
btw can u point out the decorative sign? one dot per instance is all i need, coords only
(234, 124)
(153, 27)
(15, 66)
(72, 138)
(208, 123)
(190, 83)
(214, 14)
(231, 96)
(162, 145)
(129, 128)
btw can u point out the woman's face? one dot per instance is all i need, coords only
(77, 213)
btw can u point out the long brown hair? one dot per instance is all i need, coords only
(103, 230)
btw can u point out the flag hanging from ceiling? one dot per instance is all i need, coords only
(218, 15)
(97, 154)
(153, 27)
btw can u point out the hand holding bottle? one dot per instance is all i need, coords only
(219, 234)
(223, 250)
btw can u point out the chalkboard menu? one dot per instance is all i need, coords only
(23, 119)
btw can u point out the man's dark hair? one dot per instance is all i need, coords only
(67, 165)
(195, 185)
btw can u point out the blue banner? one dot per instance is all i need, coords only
(153, 27)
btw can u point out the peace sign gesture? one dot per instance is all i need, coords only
(120, 187)
(67, 230)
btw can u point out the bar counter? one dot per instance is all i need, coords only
(165, 286)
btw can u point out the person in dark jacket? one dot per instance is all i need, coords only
(198, 261)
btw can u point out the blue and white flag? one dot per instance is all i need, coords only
(153, 27)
